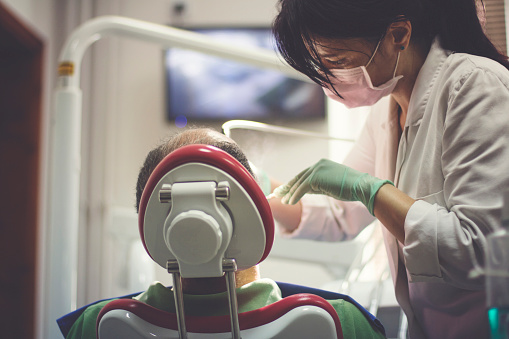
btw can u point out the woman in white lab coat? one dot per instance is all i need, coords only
(432, 168)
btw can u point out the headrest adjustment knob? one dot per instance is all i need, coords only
(194, 237)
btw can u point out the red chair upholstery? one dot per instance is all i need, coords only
(313, 317)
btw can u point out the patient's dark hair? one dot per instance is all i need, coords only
(187, 137)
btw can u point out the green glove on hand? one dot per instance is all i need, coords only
(335, 180)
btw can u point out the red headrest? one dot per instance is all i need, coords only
(218, 158)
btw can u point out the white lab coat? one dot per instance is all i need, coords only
(453, 157)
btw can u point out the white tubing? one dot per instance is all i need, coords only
(259, 126)
(64, 209)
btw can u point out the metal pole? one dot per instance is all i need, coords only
(229, 267)
(173, 268)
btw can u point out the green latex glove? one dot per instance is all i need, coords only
(332, 179)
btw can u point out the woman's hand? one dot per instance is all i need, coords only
(336, 180)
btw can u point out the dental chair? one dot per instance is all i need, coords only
(203, 215)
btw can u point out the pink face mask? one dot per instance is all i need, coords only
(355, 86)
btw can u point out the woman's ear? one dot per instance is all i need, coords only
(399, 33)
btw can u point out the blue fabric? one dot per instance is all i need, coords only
(65, 323)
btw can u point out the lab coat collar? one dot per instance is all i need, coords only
(425, 81)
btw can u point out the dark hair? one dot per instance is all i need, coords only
(456, 22)
(187, 137)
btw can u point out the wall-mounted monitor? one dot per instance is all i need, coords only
(203, 87)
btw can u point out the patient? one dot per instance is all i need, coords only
(207, 296)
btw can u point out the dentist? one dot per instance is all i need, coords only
(431, 169)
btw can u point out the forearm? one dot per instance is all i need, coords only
(287, 216)
(391, 208)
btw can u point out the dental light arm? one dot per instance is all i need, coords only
(62, 257)
(95, 29)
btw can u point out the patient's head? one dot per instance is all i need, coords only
(187, 137)
(190, 137)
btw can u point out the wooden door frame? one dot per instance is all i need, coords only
(21, 57)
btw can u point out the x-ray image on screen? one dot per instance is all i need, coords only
(206, 87)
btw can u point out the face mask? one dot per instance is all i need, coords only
(355, 86)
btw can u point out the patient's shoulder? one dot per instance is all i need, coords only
(353, 322)
(84, 326)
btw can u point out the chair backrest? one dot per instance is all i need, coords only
(199, 210)
(297, 316)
